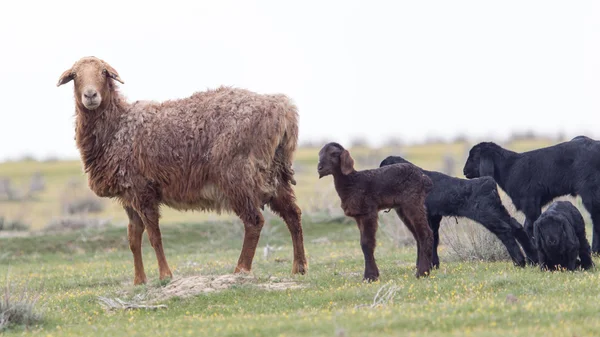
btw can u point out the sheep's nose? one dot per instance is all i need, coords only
(320, 167)
(90, 94)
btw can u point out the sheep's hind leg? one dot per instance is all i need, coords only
(284, 204)
(591, 202)
(424, 234)
(434, 223)
(135, 231)
(253, 223)
(411, 228)
(149, 216)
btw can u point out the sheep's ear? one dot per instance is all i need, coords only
(346, 163)
(112, 73)
(66, 77)
(486, 167)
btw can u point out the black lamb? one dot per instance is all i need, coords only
(533, 179)
(477, 200)
(560, 238)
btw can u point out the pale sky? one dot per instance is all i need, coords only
(374, 69)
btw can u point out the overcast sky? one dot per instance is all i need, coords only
(374, 69)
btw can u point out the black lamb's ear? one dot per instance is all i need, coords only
(486, 167)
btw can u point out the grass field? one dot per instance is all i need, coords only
(71, 269)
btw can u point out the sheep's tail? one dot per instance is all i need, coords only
(284, 154)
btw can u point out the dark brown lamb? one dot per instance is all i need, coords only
(402, 187)
(222, 150)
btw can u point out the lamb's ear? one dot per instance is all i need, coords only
(66, 76)
(112, 73)
(486, 166)
(346, 163)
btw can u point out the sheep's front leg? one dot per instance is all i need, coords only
(368, 230)
(149, 216)
(253, 223)
(532, 211)
(135, 230)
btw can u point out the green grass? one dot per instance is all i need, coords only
(459, 299)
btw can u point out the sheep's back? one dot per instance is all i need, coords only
(225, 136)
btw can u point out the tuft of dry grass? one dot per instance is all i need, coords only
(470, 241)
(19, 306)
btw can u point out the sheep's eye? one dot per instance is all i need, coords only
(104, 71)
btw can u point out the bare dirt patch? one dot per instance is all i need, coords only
(201, 284)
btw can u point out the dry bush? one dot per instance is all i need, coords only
(19, 306)
(77, 222)
(13, 225)
(394, 229)
(324, 207)
(7, 191)
(78, 199)
(470, 241)
(37, 183)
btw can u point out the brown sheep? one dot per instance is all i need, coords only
(402, 187)
(225, 150)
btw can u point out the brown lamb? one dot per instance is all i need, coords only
(225, 150)
(402, 187)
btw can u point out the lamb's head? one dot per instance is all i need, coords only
(92, 79)
(480, 163)
(334, 159)
(553, 231)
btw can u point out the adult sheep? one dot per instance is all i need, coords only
(225, 150)
(532, 179)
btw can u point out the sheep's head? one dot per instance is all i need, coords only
(552, 230)
(333, 158)
(92, 79)
(479, 163)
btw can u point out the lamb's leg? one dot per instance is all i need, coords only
(368, 229)
(417, 216)
(592, 204)
(519, 234)
(532, 211)
(135, 230)
(411, 228)
(542, 260)
(434, 223)
(285, 205)
(150, 216)
(253, 223)
(572, 260)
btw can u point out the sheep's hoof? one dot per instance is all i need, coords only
(137, 281)
(371, 277)
(241, 270)
(300, 268)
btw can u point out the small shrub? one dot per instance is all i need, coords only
(19, 307)
(75, 223)
(77, 199)
(470, 241)
(325, 208)
(394, 230)
(37, 183)
(7, 191)
(13, 225)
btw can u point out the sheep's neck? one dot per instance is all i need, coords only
(503, 161)
(94, 132)
(343, 183)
